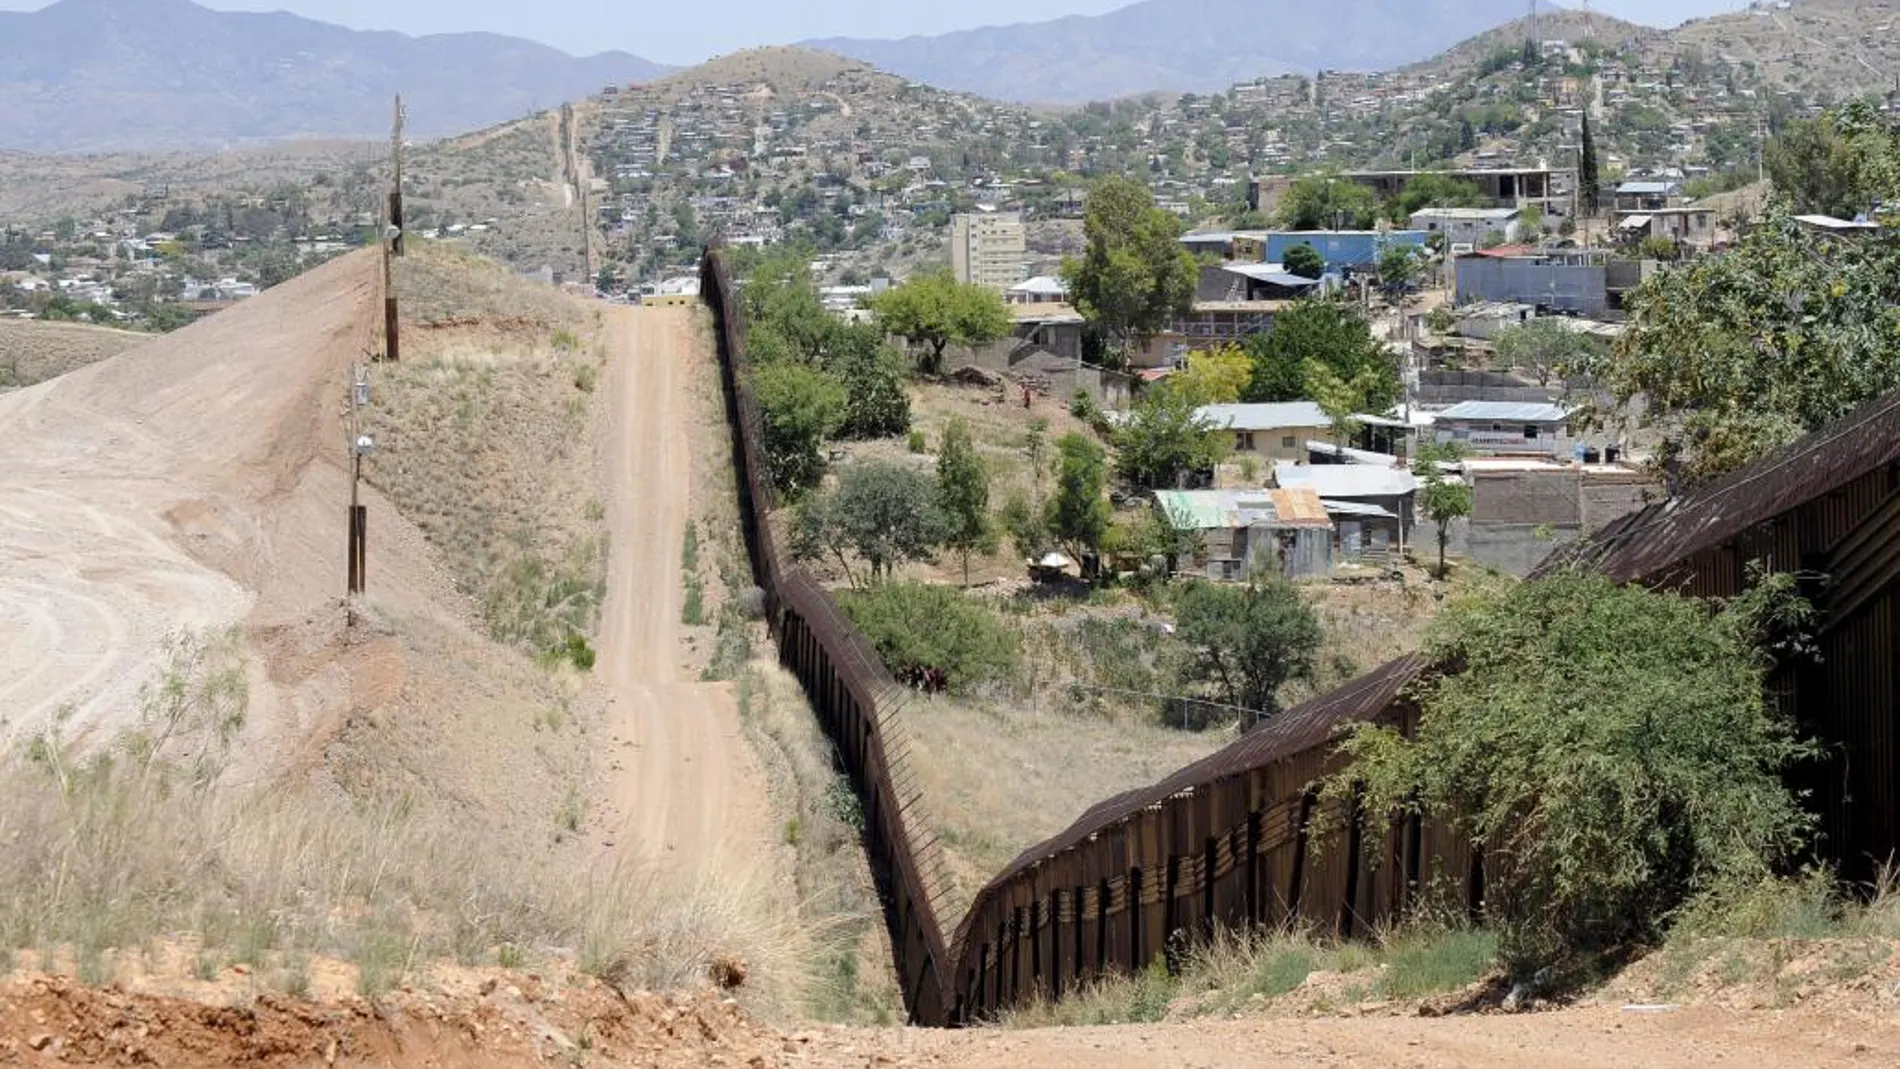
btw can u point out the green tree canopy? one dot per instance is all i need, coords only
(1434, 189)
(1134, 274)
(1839, 163)
(963, 495)
(1399, 268)
(1609, 746)
(1742, 352)
(802, 408)
(925, 627)
(1327, 202)
(1078, 514)
(1248, 641)
(1547, 347)
(1164, 440)
(1438, 497)
(1334, 335)
(933, 311)
(882, 513)
(1303, 260)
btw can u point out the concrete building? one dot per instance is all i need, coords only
(1275, 431)
(1573, 284)
(1341, 248)
(1523, 508)
(1546, 188)
(1043, 289)
(1494, 427)
(1471, 227)
(988, 249)
(1692, 226)
(1244, 532)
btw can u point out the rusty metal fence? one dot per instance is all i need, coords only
(857, 703)
(1234, 840)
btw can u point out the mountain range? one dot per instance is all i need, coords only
(85, 75)
(1186, 45)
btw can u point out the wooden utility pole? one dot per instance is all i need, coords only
(393, 236)
(360, 445)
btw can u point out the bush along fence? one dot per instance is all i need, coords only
(1236, 839)
(857, 702)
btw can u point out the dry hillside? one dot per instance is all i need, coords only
(32, 352)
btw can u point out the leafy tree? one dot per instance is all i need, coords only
(1078, 515)
(1213, 376)
(1611, 749)
(1657, 247)
(1328, 202)
(802, 408)
(1440, 498)
(1434, 189)
(1303, 260)
(1548, 347)
(1027, 526)
(876, 403)
(1399, 268)
(1249, 641)
(923, 627)
(963, 495)
(1164, 439)
(1836, 164)
(1134, 275)
(882, 513)
(1336, 336)
(934, 311)
(1745, 351)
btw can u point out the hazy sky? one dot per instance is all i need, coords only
(683, 32)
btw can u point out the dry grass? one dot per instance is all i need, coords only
(117, 850)
(32, 352)
(483, 435)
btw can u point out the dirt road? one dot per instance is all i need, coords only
(686, 788)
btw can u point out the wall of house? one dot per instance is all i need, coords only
(1492, 437)
(1512, 548)
(1568, 287)
(1281, 443)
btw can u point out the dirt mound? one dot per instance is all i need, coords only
(506, 1020)
(32, 352)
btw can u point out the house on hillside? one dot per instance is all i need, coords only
(1244, 532)
(1274, 431)
(1043, 289)
(1693, 226)
(1647, 196)
(1370, 506)
(1472, 227)
(1495, 427)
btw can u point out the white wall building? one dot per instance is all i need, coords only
(988, 249)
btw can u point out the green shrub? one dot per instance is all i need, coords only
(1612, 744)
(917, 442)
(919, 626)
(1435, 961)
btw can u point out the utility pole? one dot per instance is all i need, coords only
(360, 445)
(393, 235)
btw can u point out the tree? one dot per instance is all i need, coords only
(1338, 337)
(963, 495)
(1434, 189)
(1837, 164)
(1078, 515)
(933, 311)
(1548, 347)
(876, 404)
(802, 408)
(1303, 260)
(1164, 439)
(1742, 352)
(923, 629)
(1213, 376)
(1133, 276)
(1399, 268)
(1328, 202)
(1588, 178)
(881, 512)
(1248, 641)
(1440, 498)
(1611, 748)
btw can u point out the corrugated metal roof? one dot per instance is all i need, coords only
(1272, 274)
(1642, 188)
(1285, 415)
(1204, 510)
(1345, 481)
(1354, 508)
(1506, 412)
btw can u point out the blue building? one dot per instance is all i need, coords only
(1341, 249)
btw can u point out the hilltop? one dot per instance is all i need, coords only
(95, 75)
(1192, 45)
(1839, 47)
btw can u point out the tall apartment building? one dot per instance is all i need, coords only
(988, 248)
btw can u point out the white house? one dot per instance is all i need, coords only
(1469, 226)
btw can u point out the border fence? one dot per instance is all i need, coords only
(1238, 838)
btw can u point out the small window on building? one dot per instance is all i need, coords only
(1530, 432)
(1243, 441)
(1287, 442)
